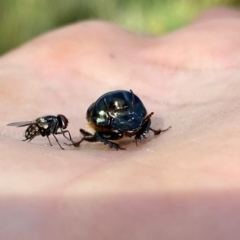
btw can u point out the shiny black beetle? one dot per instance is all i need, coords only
(115, 115)
(45, 126)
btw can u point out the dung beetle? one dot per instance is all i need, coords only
(45, 126)
(117, 114)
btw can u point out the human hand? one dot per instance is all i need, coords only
(183, 184)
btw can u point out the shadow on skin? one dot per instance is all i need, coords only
(122, 216)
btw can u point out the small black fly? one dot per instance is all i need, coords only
(45, 126)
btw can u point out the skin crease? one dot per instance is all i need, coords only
(183, 184)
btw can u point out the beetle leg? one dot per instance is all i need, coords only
(86, 136)
(142, 131)
(157, 132)
(100, 138)
(146, 118)
(96, 137)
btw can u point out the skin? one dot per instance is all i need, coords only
(183, 184)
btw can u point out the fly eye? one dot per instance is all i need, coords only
(64, 121)
(64, 124)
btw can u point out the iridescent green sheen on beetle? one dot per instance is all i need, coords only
(115, 115)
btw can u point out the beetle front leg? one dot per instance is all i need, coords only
(145, 129)
(100, 138)
(142, 131)
(157, 132)
(87, 136)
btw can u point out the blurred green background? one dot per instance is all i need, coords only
(21, 20)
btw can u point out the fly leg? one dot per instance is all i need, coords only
(63, 133)
(56, 141)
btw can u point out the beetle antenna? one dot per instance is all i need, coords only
(133, 100)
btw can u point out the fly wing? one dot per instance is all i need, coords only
(22, 124)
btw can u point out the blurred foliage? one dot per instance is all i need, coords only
(21, 20)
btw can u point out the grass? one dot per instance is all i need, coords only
(21, 20)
